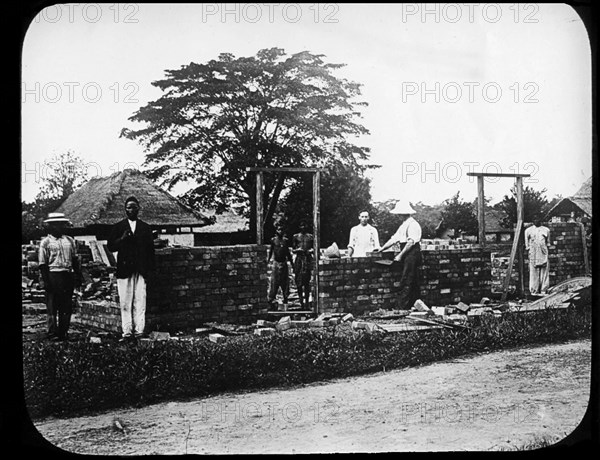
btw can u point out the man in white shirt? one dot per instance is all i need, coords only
(536, 243)
(363, 237)
(408, 236)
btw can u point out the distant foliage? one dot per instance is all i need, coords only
(61, 176)
(535, 206)
(460, 215)
(345, 193)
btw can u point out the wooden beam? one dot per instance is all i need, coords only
(481, 211)
(511, 261)
(586, 260)
(296, 170)
(317, 233)
(259, 208)
(476, 174)
(520, 217)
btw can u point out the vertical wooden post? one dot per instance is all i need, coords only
(481, 210)
(316, 233)
(259, 208)
(520, 216)
(586, 260)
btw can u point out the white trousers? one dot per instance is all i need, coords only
(539, 278)
(132, 299)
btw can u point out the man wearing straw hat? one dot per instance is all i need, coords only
(408, 236)
(60, 270)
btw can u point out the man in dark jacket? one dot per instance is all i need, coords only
(132, 239)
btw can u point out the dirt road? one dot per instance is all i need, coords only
(485, 402)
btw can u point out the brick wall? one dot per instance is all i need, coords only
(565, 254)
(195, 285)
(448, 275)
(229, 283)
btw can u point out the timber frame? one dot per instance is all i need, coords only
(517, 247)
(260, 217)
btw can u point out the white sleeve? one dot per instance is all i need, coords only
(376, 238)
(352, 242)
(413, 232)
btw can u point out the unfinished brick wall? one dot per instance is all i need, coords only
(447, 276)
(195, 285)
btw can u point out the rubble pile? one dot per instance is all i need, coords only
(97, 282)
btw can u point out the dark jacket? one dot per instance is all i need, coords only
(135, 253)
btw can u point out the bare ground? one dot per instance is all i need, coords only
(491, 401)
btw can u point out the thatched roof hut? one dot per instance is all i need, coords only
(100, 203)
(578, 205)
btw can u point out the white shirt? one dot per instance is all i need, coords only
(536, 240)
(363, 239)
(132, 224)
(409, 230)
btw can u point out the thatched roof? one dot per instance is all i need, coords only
(582, 200)
(101, 201)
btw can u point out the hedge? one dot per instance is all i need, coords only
(67, 379)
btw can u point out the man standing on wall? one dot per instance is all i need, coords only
(61, 272)
(536, 242)
(132, 239)
(409, 237)
(363, 237)
(303, 243)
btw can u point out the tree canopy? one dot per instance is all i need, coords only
(61, 175)
(345, 192)
(215, 119)
(460, 215)
(535, 206)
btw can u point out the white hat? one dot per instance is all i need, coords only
(402, 207)
(56, 217)
(332, 252)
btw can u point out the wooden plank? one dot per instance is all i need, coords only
(481, 211)
(586, 260)
(478, 174)
(513, 253)
(317, 233)
(259, 208)
(435, 323)
(96, 257)
(103, 254)
(291, 169)
(520, 217)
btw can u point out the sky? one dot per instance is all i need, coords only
(451, 88)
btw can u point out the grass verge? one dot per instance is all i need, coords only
(68, 379)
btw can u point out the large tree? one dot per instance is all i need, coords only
(535, 206)
(215, 119)
(345, 192)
